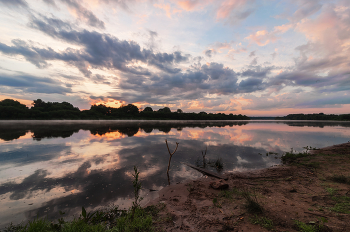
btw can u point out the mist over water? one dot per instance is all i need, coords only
(52, 166)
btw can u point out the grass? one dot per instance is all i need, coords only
(340, 179)
(251, 201)
(228, 194)
(343, 207)
(331, 191)
(216, 203)
(319, 227)
(291, 157)
(342, 204)
(112, 220)
(262, 221)
(252, 204)
(303, 227)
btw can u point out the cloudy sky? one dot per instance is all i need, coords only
(253, 57)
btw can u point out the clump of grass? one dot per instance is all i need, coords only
(80, 225)
(252, 204)
(262, 221)
(217, 164)
(38, 224)
(303, 227)
(331, 191)
(343, 207)
(226, 194)
(216, 203)
(291, 157)
(340, 179)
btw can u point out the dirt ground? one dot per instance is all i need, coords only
(311, 193)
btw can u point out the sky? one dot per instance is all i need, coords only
(251, 57)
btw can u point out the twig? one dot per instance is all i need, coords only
(171, 155)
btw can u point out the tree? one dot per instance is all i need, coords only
(179, 111)
(13, 103)
(165, 110)
(38, 103)
(101, 109)
(130, 109)
(148, 109)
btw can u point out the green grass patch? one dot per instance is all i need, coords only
(262, 221)
(343, 207)
(228, 194)
(331, 191)
(312, 226)
(291, 157)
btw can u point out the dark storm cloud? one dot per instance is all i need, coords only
(211, 78)
(33, 84)
(257, 71)
(251, 85)
(106, 51)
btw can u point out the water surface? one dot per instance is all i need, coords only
(52, 166)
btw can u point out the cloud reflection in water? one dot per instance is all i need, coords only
(67, 166)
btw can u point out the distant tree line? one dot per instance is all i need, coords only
(11, 109)
(320, 116)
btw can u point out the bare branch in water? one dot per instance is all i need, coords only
(171, 155)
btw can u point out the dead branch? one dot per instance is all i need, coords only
(171, 155)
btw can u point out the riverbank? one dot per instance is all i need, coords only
(309, 193)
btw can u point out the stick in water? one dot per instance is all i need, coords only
(171, 154)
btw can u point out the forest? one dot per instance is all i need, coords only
(13, 110)
(319, 116)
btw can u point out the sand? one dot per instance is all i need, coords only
(303, 191)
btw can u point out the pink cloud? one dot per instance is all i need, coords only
(166, 8)
(329, 37)
(263, 37)
(190, 5)
(228, 6)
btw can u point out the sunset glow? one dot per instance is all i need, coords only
(250, 57)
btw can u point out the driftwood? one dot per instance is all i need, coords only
(207, 172)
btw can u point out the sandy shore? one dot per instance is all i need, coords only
(303, 191)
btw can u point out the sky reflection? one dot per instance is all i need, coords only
(48, 168)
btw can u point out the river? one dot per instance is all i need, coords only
(52, 166)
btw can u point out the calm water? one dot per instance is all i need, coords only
(50, 166)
